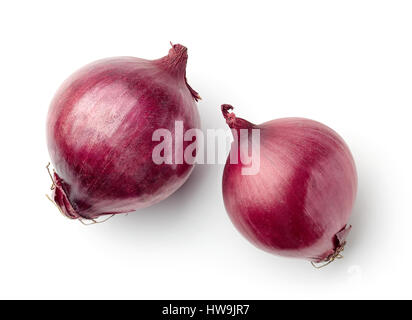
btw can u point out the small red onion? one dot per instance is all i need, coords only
(299, 203)
(99, 132)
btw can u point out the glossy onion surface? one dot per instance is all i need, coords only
(299, 202)
(99, 133)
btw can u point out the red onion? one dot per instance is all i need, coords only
(299, 202)
(99, 130)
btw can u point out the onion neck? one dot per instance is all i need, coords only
(175, 64)
(233, 122)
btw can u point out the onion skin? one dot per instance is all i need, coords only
(299, 203)
(99, 133)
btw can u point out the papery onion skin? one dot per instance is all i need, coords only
(299, 203)
(99, 133)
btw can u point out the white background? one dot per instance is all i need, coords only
(347, 64)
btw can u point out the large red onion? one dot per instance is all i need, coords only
(99, 132)
(299, 202)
